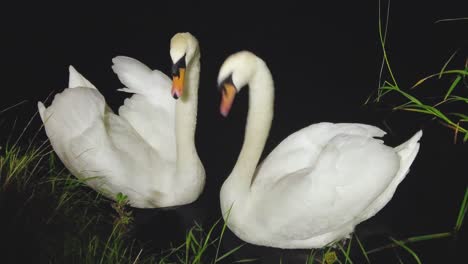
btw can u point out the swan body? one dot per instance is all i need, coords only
(317, 184)
(147, 150)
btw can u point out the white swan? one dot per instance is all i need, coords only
(147, 151)
(317, 184)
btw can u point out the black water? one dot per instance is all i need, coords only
(325, 59)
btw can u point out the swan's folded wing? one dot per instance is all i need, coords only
(301, 149)
(154, 124)
(350, 173)
(74, 125)
(151, 110)
(140, 79)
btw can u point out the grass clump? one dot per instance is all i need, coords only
(448, 107)
(49, 216)
(65, 221)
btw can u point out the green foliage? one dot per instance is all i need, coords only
(93, 228)
(441, 107)
(462, 212)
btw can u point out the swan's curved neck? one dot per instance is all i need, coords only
(259, 117)
(186, 119)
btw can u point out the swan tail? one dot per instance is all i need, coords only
(41, 108)
(77, 80)
(409, 145)
(70, 101)
(73, 110)
(407, 153)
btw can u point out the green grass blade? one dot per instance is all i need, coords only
(460, 72)
(210, 232)
(458, 98)
(462, 211)
(428, 237)
(188, 239)
(13, 106)
(416, 110)
(451, 19)
(410, 97)
(345, 253)
(227, 254)
(206, 243)
(222, 232)
(348, 250)
(245, 260)
(411, 240)
(311, 257)
(404, 105)
(401, 244)
(452, 86)
(382, 38)
(447, 63)
(361, 246)
(439, 114)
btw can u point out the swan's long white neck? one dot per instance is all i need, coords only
(259, 118)
(186, 119)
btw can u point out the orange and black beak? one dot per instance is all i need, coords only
(178, 78)
(228, 93)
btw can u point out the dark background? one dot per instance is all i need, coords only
(325, 59)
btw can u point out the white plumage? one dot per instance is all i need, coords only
(317, 184)
(147, 151)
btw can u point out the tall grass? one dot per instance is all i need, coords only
(442, 107)
(75, 224)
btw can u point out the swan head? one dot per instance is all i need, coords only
(235, 73)
(184, 47)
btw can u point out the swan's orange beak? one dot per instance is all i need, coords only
(228, 93)
(178, 78)
(178, 83)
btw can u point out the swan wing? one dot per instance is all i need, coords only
(151, 110)
(344, 184)
(73, 123)
(301, 149)
(407, 153)
(98, 146)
